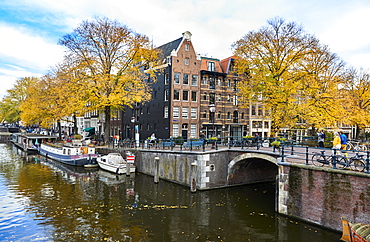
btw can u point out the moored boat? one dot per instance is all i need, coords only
(355, 232)
(68, 154)
(29, 142)
(114, 162)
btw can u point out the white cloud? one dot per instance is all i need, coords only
(27, 49)
(9, 75)
(215, 25)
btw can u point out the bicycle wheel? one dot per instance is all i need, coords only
(318, 160)
(341, 162)
(358, 164)
(362, 148)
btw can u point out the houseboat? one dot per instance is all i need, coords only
(69, 154)
(6, 133)
(29, 142)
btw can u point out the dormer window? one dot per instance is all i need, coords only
(211, 66)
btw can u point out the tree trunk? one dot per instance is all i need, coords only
(74, 124)
(59, 129)
(357, 132)
(107, 114)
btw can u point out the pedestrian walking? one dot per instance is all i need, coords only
(343, 142)
(321, 138)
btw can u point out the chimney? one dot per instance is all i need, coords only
(186, 35)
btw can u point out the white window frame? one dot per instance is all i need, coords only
(185, 78)
(165, 112)
(193, 113)
(175, 130)
(176, 112)
(194, 80)
(185, 112)
(176, 77)
(193, 130)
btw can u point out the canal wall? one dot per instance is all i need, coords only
(205, 170)
(202, 170)
(322, 196)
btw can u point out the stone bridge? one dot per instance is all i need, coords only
(319, 195)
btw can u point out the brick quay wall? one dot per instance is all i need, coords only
(322, 195)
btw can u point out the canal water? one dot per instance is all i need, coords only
(42, 200)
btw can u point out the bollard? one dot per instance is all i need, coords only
(193, 178)
(156, 169)
(127, 169)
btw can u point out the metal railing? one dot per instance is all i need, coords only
(295, 152)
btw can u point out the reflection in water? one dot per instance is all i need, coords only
(45, 200)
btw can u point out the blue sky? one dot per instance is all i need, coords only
(30, 29)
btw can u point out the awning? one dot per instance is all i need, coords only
(90, 129)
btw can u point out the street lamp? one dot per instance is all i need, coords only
(132, 129)
(212, 110)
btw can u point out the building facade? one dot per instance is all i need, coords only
(193, 97)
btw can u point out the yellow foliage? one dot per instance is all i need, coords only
(291, 73)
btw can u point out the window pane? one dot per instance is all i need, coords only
(212, 98)
(193, 96)
(193, 130)
(212, 83)
(185, 95)
(175, 130)
(193, 112)
(176, 78)
(186, 79)
(185, 112)
(176, 112)
(176, 94)
(194, 80)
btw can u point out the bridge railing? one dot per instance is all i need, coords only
(295, 153)
(334, 158)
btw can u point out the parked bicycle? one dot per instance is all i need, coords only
(355, 145)
(320, 159)
(356, 162)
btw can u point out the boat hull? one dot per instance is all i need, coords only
(355, 232)
(74, 160)
(115, 168)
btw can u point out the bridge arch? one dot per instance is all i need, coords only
(251, 168)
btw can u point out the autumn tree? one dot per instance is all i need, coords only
(10, 104)
(38, 107)
(355, 93)
(114, 61)
(285, 68)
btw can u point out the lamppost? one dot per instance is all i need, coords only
(132, 129)
(212, 110)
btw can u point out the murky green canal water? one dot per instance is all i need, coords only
(42, 200)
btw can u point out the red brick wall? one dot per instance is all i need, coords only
(323, 196)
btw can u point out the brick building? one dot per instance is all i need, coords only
(193, 95)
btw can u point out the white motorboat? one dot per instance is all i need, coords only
(114, 162)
